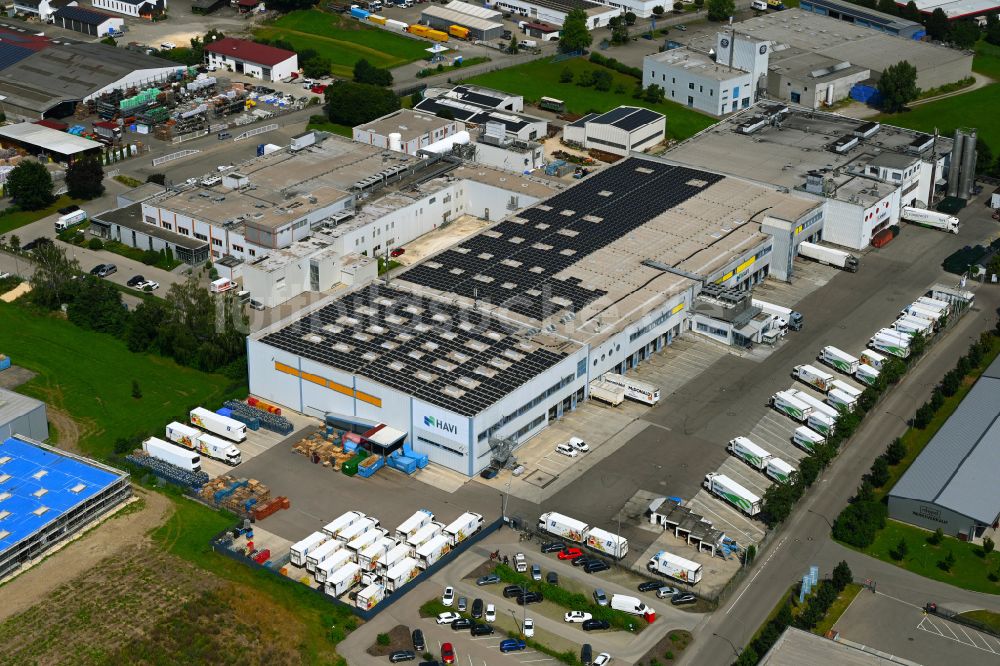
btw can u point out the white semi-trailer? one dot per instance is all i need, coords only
(607, 392)
(362, 541)
(817, 405)
(839, 360)
(369, 556)
(370, 597)
(343, 579)
(674, 566)
(866, 374)
(564, 527)
(810, 374)
(218, 448)
(872, 359)
(342, 522)
(394, 556)
(173, 454)
(786, 403)
(218, 424)
(791, 318)
(635, 389)
(897, 345)
(779, 470)
(605, 542)
(827, 255)
(807, 439)
(410, 526)
(356, 529)
(432, 551)
(423, 535)
(401, 573)
(722, 486)
(302, 548)
(944, 306)
(184, 435)
(463, 527)
(925, 311)
(914, 324)
(744, 449)
(822, 423)
(331, 564)
(931, 219)
(840, 400)
(320, 554)
(844, 387)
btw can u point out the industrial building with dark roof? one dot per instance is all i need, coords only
(87, 21)
(952, 483)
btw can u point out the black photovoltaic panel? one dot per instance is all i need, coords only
(477, 97)
(513, 264)
(431, 105)
(10, 54)
(614, 114)
(638, 119)
(387, 308)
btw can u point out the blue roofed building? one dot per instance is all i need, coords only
(46, 495)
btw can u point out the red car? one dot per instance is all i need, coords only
(318, 88)
(447, 653)
(570, 554)
(398, 252)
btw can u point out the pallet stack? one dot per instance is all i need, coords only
(241, 496)
(319, 449)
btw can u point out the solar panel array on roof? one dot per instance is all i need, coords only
(12, 53)
(614, 114)
(477, 97)
(431, 105)
(514, 263)
(461, 359)
(636, 120)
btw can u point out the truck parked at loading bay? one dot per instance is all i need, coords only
(748, 452)
(675, 567)
(725, 488)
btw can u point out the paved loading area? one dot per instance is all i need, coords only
(258, 442)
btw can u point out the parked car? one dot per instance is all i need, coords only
(536, 572)
(448, 654)
(461, 623)
(491, 613)
(596, 566)
(602, 659)
(552, 578)
(489, 473)
(586, 654)
(649, 586)
(481, 629)
(567, 450)
(447, 618)
(448, 598)
(683, 599)
(570, 554)
(168, 46)
(528, 628)
(681, 27)
(577, 616)
(553, 547)
(96, 269)
(397, 252)
(488, 579)
(600, 597)
(133, 281)
(580, 561)
(512, 591)
(149, 285)
(529, 598)
(578, 444)
(512, 645)
(419, 644)
(103, 270)
(666, 591)
(463, 604)
(477, 609)
(595, 625)
(401, 655)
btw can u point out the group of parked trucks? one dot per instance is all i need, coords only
(925, 315)
(761, 460)
(577, 531)
(355, 549)
(187, 444)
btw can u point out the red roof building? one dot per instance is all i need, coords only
(256, 60)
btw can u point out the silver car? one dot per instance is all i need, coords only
(600, 598)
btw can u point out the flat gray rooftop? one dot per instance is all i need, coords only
(697, 63)
(14, 405)
(796, 647)
(407, 123)
(130, 217)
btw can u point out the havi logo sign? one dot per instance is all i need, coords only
(441, 424)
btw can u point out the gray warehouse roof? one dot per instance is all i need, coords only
(14, 405)
(957, 469)
(796, 647)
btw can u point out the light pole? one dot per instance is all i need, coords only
(506, 497)
(735, 651)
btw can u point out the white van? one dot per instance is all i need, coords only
(759, 5)
(633, 606)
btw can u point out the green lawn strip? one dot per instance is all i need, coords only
(13, 220)
(989, 618)
(90, 376)
(540, 78)
(987, 60)
(137, 255)
(971, 566)
(837, 609)
(187, 534)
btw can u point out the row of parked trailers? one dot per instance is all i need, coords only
(577, 531)
(356, 550)
(414, 29)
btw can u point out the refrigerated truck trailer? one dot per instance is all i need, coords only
(866, 374)
(218, 448)
(343, 579)
(401, 573)
(810, 374)
(891, 344)
(786, 403)
(925, 311)
(564, 527)
(342, 522)
(432, 551)
(356, 529)
(931, 219)
(605, 542)
(181, 434)
(944, 306)
(424, 534)
(395, 555)
(463, 527)
(607, 392)
(914, 324)
(838, 360)
(844, 387)
(635, 389)
(331, 564)
(839, 399)
(363, 540)
(827, 255)
(816, 404)
(409, 526)
(822, 423)
(320, 554)
(369, 556)
(872, 359)
(793, 319)
(370, 597)
(728, 490)
(218, 424)
(674, 566)
(779, 470)
(300, 550)
(173, 454)
(806, 438)
(744, 449)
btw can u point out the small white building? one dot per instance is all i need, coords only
(252, 59)
(138, 8)
(312, 265)
(405, 131)
(619, 131)
(718, 86)
(87, 21)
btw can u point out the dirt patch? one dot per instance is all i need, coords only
(483, 569)
(67, 432)
(441, 238)
(399, 639)
(14, 376)
(669, 649)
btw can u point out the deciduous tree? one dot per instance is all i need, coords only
(898, 86)
(575, 35)
(30, 185)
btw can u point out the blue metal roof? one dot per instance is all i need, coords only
(38, 485)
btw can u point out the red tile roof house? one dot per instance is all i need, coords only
(252, 59)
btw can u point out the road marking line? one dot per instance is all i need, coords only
(761, 568)
(936, 630)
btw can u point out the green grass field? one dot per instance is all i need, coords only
(90, 376)
(343, 40)
(987, 60)
(540, 78)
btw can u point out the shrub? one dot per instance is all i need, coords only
(896, 451)
(95, 244)
(566, 76)
(842, 576)
(382, 639)
(899, 552)
(936, 538)
(880, 471)
(150, 257)
(948, 562)
(988, 545)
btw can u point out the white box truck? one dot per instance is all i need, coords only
(394, 556)
(432, 551)
(786, 403)
(635, 389)
(925, 311)
(370, 597)
(744, 449)
(633, 606)
(866, 374)
(354, 530)
(779, 470)
(810, 374)
(184, 435)
(806, 438)
(840, 400)
(321, 553)
(891, 344)
(607, 392)
(362, 541)
(409, 526)
(927, 301)
(564, 527)
(605, 542)
(70, 220)
(912, 325)
(839, 360)
(218, 448)
(791, 318)
(423, 535)
(930, 219)
(173, 454)
(343, 579)
(300, 550)
(331, 564)
(674, 566)
(218, 424)
(463, 527)
(822, 423)
(369, 556)
(816, 404)
(872, 359)
(827, 255)
(341, 522)
(844, 387)
(401, 573)
(725, 488)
